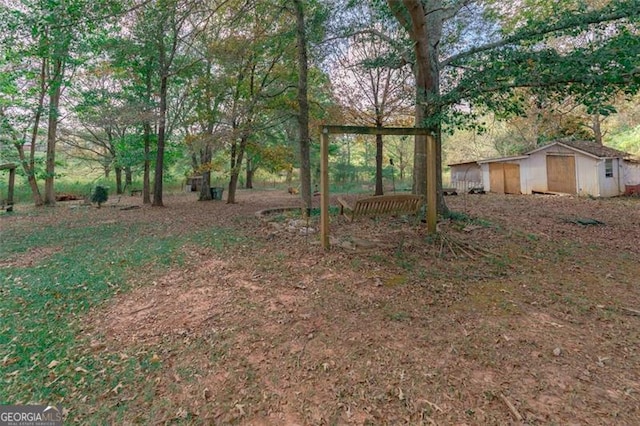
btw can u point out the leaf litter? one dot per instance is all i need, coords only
(226, 333)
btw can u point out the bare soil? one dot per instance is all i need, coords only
(522, 315)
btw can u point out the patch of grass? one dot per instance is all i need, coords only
(457, 216)
(333, 211)
(465, 219)
(42, 358)
(399, 316)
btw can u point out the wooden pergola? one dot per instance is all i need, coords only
(12, 181)
(326, 130)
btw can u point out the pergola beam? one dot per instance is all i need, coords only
(326, 130)
(363, 130)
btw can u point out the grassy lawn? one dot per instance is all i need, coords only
(54, 275)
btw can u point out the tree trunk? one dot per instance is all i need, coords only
(237, 155)
(52, 133)
(425, 30)
(28, 167)
(249, 182)
(128, 177)
(205, 159)
(303, 106)
(249, 175)
(146, 179)
(118, 170)
(597, 128)
(162, 119)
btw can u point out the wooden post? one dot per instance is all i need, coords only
(324, 188)
(432, 188)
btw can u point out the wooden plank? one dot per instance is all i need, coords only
(512, 178)
(561, 174)
(380, 205)
(496, 178)
(7, 166)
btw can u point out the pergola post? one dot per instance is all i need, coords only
(324, 188)
(432, 187)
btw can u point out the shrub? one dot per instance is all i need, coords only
(100, 195)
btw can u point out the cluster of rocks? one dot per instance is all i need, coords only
(293, 226)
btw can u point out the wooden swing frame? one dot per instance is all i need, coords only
(326, 130)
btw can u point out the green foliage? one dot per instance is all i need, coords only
(100, 195)
(627, 140)
(589, 55)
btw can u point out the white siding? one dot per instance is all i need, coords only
(536, 177)
(589, 174)
(631, 173)
(485, 176)
(465, 176)
(610, 186)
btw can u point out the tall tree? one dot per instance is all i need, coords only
(373, 86)
(303, 104)
(45, 40)
(512, 52)
(257, 67)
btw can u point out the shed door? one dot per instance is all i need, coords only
(511, 178)
(496, 178)
(504, 178)
(561, 174)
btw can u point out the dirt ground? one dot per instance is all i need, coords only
(523, 315)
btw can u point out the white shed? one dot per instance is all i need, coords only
(570, 167)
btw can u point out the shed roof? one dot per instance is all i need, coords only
(503, 159)
(587, 147)
(464, 163)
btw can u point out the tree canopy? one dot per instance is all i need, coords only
(232, 85)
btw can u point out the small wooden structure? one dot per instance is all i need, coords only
(381, 205)
(12, 182)
(194, 183)
(430, 160)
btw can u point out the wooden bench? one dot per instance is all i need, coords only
(381, 205)
(136, 192)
